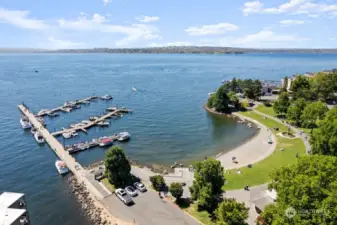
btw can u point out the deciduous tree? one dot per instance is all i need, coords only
(281, 104)
(312, 113)
(158, 182)
(231, 212)
(117, 166)
(207, 184)
(221, 100)
(176, 189)
(295, 111)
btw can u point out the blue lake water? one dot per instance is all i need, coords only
(168, 124)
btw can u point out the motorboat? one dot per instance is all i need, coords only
(111, 109)
(105, 142)
(103, 123)
(61, 167)
(74, 134)
(123, 136)
(86, 122)
(249, 125)
(33, 130)
(93, 118)
(66, 135)
(106, 97)
(25, 124)
(72, 125)
(134, 89)
(43, 111)
(39, 138)
(66, 109)
(53, 114)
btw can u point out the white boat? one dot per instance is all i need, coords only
(52, 114)
(25, 124)
(103, 123)
(33, 130)
(66, 135)
(105, 142)
(93, 118)
(111, 109)
(66, 109)
(211, 93)
(43, 111)
(74, 133)
(61, 167)
(106, 97)
(86, 121)
(134, 89)
(39, 138)
(123, 136)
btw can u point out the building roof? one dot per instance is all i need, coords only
(262, 198)
(262, 202)
(8, 198)
(9, 215)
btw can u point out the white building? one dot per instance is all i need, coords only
(13, 210)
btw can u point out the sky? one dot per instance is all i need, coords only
(64, 24)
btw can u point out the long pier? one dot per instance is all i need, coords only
(59, 150)
(93, 123)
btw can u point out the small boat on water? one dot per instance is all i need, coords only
(76, 106)
(93, 118)
(134, 89)
(106, 97)
(74, 134)
(72, 125)
(211, 93)
(39, 138)
(105, 142)
(61, 167)
(86, 121)
(33, 130)
(43, 111)
(66, 135)
(249, 125)
(123, 136)
(103, 123)
(25, 124)
(66, 109)
(53, 114)
(111, 109)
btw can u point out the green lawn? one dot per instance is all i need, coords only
(107, 184)
(259, 174)
(202, 216)
(266, 110)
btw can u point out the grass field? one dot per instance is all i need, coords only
(259, 174)
(202, 216)
(266, 110)
(107, 184)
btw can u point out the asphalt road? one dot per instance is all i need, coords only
(148, 209)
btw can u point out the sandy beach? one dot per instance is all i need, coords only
(250, 152)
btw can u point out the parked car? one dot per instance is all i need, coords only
(139, 186)
(123, 196)
(131, 191)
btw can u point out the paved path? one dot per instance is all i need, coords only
(297, 131)
(252, 151)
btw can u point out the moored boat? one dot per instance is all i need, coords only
(66, 135)
(53, 114)
(103, 123)
(39, 138)
(74, 134)
(33, 130)
(61, 167)
(111, 109)
(123, 136)
(93, 118)
(106, 97)
(25, 124)
(105, 142)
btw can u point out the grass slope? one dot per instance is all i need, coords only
(259, 174)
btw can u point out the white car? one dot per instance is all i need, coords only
(131, 191)
(123, 196)
(141, 187)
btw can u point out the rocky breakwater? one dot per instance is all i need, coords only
(95, 211)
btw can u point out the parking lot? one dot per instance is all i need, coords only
(148, 209)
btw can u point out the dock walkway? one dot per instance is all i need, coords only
(84, 127)
(59, 150)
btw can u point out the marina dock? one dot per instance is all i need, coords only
(66, 106)
(59, 150)
(92, 123)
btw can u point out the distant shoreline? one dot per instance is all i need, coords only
(172, 50)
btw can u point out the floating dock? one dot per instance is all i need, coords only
(68, 105)
(59, 150)
(92, 123)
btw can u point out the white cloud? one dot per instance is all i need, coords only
(264, 38)
(105, 2)
(292, 7)
(178, 43)
(61, 44)
(212, 29)
(20, 19)
(98, 23)
(313, 15)
(147, 19)
(332, 39)
(291, 22)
